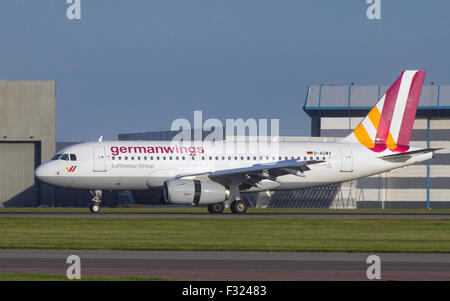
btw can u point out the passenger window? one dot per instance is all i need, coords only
(126, 158)
(114, 158)
(120, 158)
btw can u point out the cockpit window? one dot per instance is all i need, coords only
(65, 157)
(56, 157)
(73, 157)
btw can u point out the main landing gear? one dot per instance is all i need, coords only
(96, 200)
(216, 208)
(237, 205)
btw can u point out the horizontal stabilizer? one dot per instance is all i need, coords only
(410, 153)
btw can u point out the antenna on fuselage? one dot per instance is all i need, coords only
(100, 139)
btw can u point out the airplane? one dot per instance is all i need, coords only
(202, 173)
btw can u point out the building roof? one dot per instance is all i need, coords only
(356, 101)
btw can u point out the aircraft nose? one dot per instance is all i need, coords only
(39, 172)
(42, 173)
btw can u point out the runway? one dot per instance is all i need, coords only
(220, 216)
(238, 266)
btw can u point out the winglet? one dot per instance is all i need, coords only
(100, 139)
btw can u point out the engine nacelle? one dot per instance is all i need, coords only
(180, 191)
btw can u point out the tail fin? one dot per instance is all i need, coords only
(389, 124)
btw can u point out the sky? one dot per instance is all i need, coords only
(136, 65)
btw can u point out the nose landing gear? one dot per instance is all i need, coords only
(96, 200)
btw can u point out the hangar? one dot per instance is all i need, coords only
(336, 110)
(27, 138)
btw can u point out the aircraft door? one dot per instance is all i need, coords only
(346, 159)
(99, 158)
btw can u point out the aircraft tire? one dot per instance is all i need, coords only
(239, 207)
(95, 208)
(216, 208)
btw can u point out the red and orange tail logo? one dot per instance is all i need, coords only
(389, 124)
(71, 168)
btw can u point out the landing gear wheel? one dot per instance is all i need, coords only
(216, 208)
(95, 208)
(96, 201)
(239, 207)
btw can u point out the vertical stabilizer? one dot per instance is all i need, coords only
(389, 124)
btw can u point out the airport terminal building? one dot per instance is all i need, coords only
(336, 110)
(27, 138)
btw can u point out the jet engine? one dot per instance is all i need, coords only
(180, 191)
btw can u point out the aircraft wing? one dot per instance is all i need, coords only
(257, 172)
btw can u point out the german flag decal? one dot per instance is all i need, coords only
(309, 153)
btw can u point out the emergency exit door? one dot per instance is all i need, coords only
(99, 158)
(346, 159)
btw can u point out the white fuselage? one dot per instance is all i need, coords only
(142, 165)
